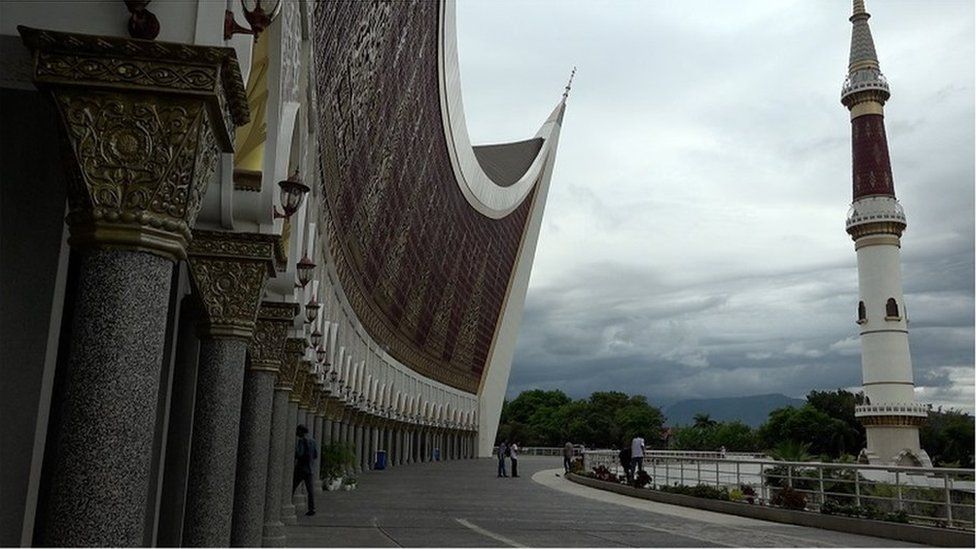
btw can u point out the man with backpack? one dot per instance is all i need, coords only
(502, 454)
(306, 452)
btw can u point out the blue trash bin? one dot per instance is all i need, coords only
(437, 454)
(380, 460)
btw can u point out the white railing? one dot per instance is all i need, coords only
(937, 496)
(892, 408)
(543, 451)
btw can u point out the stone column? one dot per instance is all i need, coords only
(140, 148)
(229, 272)
(377, 446)
(401, 445)
(304, 406)
(412, 443)
(359, 441)
(327, 427)
(273, 533)
(267, 354)
(288, 457)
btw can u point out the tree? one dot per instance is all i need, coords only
(948, 438)
(735, 436)
(704, 421)
(824, 434)
(605, 419)
(840, 405)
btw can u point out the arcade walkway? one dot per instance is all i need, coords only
(463, 504)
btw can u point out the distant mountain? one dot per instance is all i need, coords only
(751, 410)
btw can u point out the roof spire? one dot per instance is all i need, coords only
(569, 85)
(863, 71)
(863, 54)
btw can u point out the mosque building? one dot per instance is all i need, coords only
(225, 219)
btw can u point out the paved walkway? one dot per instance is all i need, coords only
(463, 504)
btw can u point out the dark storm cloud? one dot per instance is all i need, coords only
(693, 243)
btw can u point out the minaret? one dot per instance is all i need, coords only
(876, 221)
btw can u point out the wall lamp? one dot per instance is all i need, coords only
(256, 16)
(305, 268)
(292, 191)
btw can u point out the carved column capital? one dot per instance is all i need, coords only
(308, 386)
(294, 350)
(298, 385)
(142, 126)
(267, 347)
(229, 272)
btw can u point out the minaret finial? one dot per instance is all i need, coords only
(569, 85)
(862, 44)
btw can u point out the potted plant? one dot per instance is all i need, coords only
(336, 459)
(349, 483)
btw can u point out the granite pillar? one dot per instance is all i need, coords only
(280, 452)
(103, 419)
(267, 353)
(358, 441)
(327, 430)
(288, 462)
(273, 532)
(229, 272)
(110, 393)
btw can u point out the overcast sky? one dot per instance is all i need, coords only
(693, 243)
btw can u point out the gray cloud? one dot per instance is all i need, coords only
(693, 243)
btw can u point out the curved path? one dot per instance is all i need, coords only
(463, 504)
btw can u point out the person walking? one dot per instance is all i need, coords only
(513, 454)
(636, 454)
(502, 450)
(625, 462)
(306, 452)
(567, 456)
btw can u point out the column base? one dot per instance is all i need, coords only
(273, 535)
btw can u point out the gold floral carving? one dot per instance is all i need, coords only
(298, 385)
(143, 123)
(229, 272)
(267, 347)
(308, 385)
(294, 349)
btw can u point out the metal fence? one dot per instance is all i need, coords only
(935, 496)
(543, 451)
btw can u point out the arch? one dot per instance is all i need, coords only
(891, 309)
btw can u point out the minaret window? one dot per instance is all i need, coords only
(891, 310)
(862, 314)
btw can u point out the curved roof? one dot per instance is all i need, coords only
(506, 163)
(424, 230)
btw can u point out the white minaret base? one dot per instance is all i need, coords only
(895, 445)
(892, 417)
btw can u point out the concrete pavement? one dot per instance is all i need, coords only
(463, 504)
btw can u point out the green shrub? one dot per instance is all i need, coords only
(336, 459)
(788, 498)
(700, 491)
(641, 480)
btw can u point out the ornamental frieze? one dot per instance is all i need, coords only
(424, 272)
